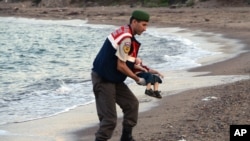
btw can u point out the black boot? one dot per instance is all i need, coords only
(127, 134)
(99, 140)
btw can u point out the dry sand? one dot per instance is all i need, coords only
(185, 115)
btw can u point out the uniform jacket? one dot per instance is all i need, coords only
(105, 63)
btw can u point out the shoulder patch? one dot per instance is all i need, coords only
(126, 47)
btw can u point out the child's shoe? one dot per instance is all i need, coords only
(150, 92)
(157, 94)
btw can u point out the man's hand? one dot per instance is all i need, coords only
(141, 81)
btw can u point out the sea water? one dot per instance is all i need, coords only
(45, 65)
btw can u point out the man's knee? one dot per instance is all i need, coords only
(136, 103)
(110, 124)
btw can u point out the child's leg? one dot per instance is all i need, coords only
(156, 86)
(156, 92)
(148, 87)
(148, 78)
(149, 91)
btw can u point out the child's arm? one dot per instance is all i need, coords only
(139, 67)
(156, 72)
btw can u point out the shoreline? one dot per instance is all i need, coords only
(238, 65)
(146, 104)
(202, 37)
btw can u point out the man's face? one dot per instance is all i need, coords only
(140, 26)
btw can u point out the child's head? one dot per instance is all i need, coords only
(138, 61)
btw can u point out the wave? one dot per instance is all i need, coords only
(59, 53)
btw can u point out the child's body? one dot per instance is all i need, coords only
(151, 76)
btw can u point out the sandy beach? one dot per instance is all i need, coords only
(199, 104)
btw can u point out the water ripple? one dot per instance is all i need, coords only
(45, 65)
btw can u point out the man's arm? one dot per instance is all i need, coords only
(122, 55)
(122, 67)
